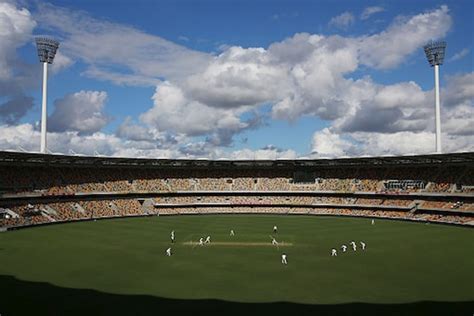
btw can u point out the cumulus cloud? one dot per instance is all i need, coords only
(13, 110)
(369, 11)
(397, 126)
(457, 105)
(342, 21)
(459, 120)
(387, 109)
(17, 77)
(329, 144)
(27, 137)
(303, 75)
(137, 132)
(307, 74)
(237, 77)
(82, 111)
(173, 111)
(202, 101)
(399, 143)
(459, 90)
(130, 131)
(16, 26)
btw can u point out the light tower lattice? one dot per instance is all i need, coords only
(435, 53)
(46, 51)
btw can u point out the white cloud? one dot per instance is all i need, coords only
(82, 111)
(238, 77)
(261, 154)
(459, 90)
(306, 74)
(459, 55)
(392, 108)
(17, 77)
(328, 144)
(398, 143)
(61, 62)
(400, 95)
(16, 26)
(120, 78)
(402, 143)
(11, 111)
(27, 137)
(388, 48)
(459, 120)
(122, 50)
(138, 140)
(22, 135)
(369, 11)
(399, 119)
(457, 100)
(303, 75)
(128, 130)
(173, 111)
(342, 21)
(200, 100)
(131, 131)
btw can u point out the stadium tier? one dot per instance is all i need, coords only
(39, 189)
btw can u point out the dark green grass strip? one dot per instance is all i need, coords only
(38, 298)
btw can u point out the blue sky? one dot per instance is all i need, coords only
(239, 79)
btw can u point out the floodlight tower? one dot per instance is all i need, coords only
(435, 53)
(47, 48)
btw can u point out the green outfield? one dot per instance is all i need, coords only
(119, 267)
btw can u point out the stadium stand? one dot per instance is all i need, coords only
(38, 189)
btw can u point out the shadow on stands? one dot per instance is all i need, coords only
(35, 298)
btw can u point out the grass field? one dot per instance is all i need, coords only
(118, 267)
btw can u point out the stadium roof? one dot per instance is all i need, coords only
(54, 160)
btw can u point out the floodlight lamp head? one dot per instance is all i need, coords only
(435, 52)
(47, 48)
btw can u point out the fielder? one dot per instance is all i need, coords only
(275, 229)
(172, 236)
(208, 240)
(232, 232)
(354, 246)
(333, 252)
(283, 259)
(362, 245)
(274, 242)
(373, 222)
(344, 248)
(168, 252)
(201, 241)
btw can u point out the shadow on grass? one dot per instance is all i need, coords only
(19, 297)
